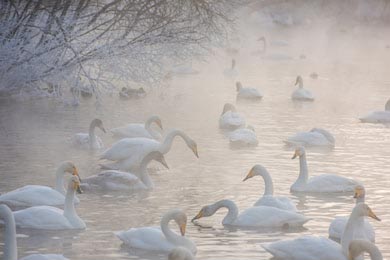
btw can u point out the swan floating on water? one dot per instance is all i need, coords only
(301, 94)
(139, 130)
(337, 226)
(10, 246)
(160, 239)
(254, 217)
(321, 248)
(243, 137)
(378, 117)
(268, 198)
(232, 72)
(326, 183)
(129, 152)
(230, 119)
(247, 93)
(180, 253)
(315, 137)
(113, 180)
(358, 246)
(47, 217)
(90, 140)
(38, 195)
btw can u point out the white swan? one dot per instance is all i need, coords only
(254, 217)
(337, 226)
(232, 71)
(243, 137)
(378, 116)
(113, 180)
(321, 183)
(161, 239)
(272, 56)
(247, 93)
(321, 248)
(89, 140)
(315, 137)
(358, 246)
(38, 195)
(46, 217)
(129, 152)
(180, 253)
(268, 198)
(301, 94)
(230, 119)
(10, 246)
(139, 130)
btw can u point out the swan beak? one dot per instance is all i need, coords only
(76, 173)
(372, 215)
(76, 187)
(295, 154)
(158, 122)
(163, 162)
(102, 128)
(250, 175)
(183, 229)
(198, 216)
(358, 193)
(195, 150)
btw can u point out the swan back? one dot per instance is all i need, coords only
(325, 133)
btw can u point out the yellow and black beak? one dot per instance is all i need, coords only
(250, 175)
(198, 216)
(76, 187)
(295, 154)
(75, 172)
(183, 229)
(158, 122)
(358, 192)
(195, 150)
(372, 215)
(163, 162)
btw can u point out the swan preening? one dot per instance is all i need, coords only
(301, 94)
(320, 248)
(315, 137)
(230, 119)
(337, 226)
(139, 130)
(128, 153)
(254, 217)
(247, 93)
(89, 140)
(382, 117)
(38, 195)
(161, 239)
(325, 183)
(114, 180)
(268, 198)
(243, 137)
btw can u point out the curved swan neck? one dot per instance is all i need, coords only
(10, 248)
(69, 210)
(169, 234)
(167, 144)
(232, 214)
(145, 178)
(269, 186)
(357, 247)
(60, 173)
(303, 171)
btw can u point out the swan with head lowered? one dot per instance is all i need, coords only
(89, 140)
(326, 183)
(321, 248)
(38, 195)
(243, 137)
(247, 93)
(159, 239)
(337, 226)
(301, 94)
(268, 198)
(10, 246)
(230, 119)
(358, 246)
(315, 137)
(139, 130)
(254, 217)
(114, 180)
(381, 117)
(128, 153)
(51, 218)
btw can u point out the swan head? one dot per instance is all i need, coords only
(74, 184)
(238, 86)
(98, 123)
(156, 120)
(69, 167)
(256, 170)
(299, 151)
(359, 192)
(193, 146)
(228, 107)
(362, 209)
(206, 211)
(141, 91)
(181, 220)
(298, 80)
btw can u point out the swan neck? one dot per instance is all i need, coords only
(269, 186)
(167, 144)
(232, 214)
(91, 133)
(355, 221)
(69, 210)
(300, 83)
(10, 248)
(60, 181)
(169, 234)
(145, 178)
(303, 171)
(360, 199)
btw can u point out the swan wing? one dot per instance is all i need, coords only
(330, 183)
(114, 180)
(231, 120)
(279, 202)
(128, 147)
(244, 136)
(308, 139)
(337, 226)
(377, 117)
(302, 94)
(249, 93)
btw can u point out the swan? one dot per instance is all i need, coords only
(180, 253)
(128, 93)
(268, 198)
(337, 226)
(322, 183)
(378, 116)
(161, 239)
(113, 180)
(129, 152)
(230, 118)
(254, 217)
(272, 56)
(315, 137)
(38, 195)
(247, 93)
(10, 246)
(321, 248)
(139, 130)
(47, 217)
(358, 246)
(243, 137)
(301, 94)
(90, 140)
(232, 72)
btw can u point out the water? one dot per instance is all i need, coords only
(353, 80)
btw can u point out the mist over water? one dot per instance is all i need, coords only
(352, 61)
